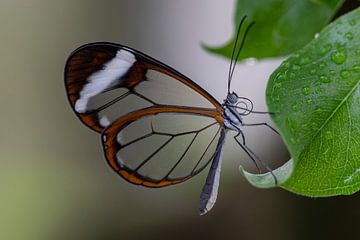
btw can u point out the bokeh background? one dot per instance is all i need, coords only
(54, 182)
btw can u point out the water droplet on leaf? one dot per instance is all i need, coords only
(325, 79)
(338, 57)
(313, 71)
(356, 68)
(332, 72)
(345, 73)
(251, 62)
(319, 90)
(296, 67)
(352, 22)
(278, 84)
(306, 90)
(349, 35)
(325, 49)
(295, 107)
(280, 77)
(286, 64)
(322, 65)
(328, 135)
(304, 61)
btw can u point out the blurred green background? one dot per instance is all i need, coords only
(54, 181)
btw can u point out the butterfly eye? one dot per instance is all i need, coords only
(232, 98)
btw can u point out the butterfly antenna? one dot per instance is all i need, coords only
(241, 46)
(234, 49)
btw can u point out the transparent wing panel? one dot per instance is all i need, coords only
(173, 92)
(197, 155)
(168, 146)
(134, 154)
(118, 109)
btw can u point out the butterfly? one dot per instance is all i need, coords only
(158, 128)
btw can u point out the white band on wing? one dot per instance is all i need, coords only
(102, 79)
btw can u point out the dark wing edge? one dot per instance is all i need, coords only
(111, 146)
(91, 57)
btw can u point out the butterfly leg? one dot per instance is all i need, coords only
(244, 147)
(259, 124)
(251, 154)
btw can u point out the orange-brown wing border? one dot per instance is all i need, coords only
(135, 75)
(111, 146)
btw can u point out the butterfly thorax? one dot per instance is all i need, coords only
(232, 118)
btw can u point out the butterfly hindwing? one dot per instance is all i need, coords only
(161, 146)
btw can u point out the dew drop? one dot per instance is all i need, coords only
(286, 64)
(280, 77)
(322, 65)
(278, 84)
(325, 79)
(325, 49)
(304, 61)
(317, 83)
(349, 36)
(332, 72)
(356, 68)
(306, 90)
(319, 90)
(309, 101)
(316, 35)
(345, 73)
(352, 22)
(251, 62)
(338, 57)
(296, 67)
(295, 107)
(313, 71)
(340, 46)
(328, 135)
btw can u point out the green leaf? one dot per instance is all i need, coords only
(281, 26)
(315, 95)
(267, 180)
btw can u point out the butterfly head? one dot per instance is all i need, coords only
(242, 105)
(232, 98)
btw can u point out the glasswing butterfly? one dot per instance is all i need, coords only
(158, 128)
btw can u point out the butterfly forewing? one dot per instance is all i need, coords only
(106, 81)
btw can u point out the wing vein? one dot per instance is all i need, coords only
(192, 172)
(153, 154)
